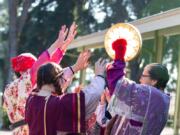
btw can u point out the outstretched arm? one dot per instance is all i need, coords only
(115, 70)
(94, 90)
(81, 63)
(55, 52)
(62, 42)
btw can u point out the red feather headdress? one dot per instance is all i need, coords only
(23, 62)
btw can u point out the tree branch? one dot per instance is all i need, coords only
(24, 15)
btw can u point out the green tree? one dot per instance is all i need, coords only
(155, 7)
(17, 19)
(3, 39)
(120, 11)
(170, 42)
(44, 23)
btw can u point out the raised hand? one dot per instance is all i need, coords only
(100, 67)
(62, 35)
(65, 37)
(105, 97)
(82, 61)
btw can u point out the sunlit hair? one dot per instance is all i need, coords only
(50, 74)
(160, 73)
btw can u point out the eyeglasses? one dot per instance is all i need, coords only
(145, 75)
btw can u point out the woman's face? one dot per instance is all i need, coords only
(146, 79)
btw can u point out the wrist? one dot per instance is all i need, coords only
(53, 47)
(71, 70)
(58, 44)
(75, 68)
(100, 75)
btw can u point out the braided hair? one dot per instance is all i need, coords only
(50, 74)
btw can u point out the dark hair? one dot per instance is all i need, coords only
(160, 73)
(49, 74)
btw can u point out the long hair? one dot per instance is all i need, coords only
(50, 74)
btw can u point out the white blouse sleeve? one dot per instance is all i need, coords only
(92, 94)
(68, 74)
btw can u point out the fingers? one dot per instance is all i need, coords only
(102, 61)
(99, 60)
(69, 37)
(103, 95)
(65, 32)
(107, 94)
(72, 32)
(86, 55)
(63, 28)
(100, 67)
(106, 91)
(73, 29)
(86, 64)
(62, 33)
(103, 99)
(82, 61)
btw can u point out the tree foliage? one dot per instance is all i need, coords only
(155, 6)
(44, 18)
(171, 43)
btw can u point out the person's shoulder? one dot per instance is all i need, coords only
(126, 82)
(15, 82)
(144, 88)
(153, 90)
(30, 98)
(12, 85)
(160, 92)
(69, 96)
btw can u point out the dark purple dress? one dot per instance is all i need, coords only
(64, 113)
